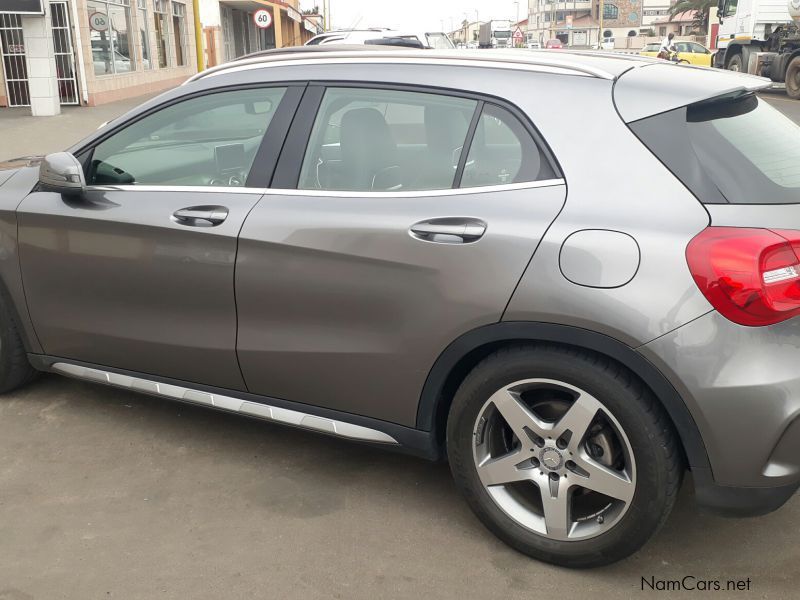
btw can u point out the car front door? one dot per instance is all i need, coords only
(137, 273)
(412, 218)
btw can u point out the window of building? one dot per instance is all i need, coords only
(110, 33)
(179, 32)
(144, 34)
(386, 140)
(503, 152)
(210, 141)
(161, 30)
(610, 11)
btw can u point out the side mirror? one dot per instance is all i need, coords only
(62, 173)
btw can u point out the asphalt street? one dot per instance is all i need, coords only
(109, 494)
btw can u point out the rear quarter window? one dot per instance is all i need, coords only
(732, 149)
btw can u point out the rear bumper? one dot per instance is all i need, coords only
(742, 387)
(733, 501)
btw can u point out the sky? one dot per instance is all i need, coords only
(430, 15)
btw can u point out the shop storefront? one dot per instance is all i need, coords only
(230, 30)
(89, 52)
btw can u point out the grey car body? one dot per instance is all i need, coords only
(320, 309)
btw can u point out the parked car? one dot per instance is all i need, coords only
(433, 39)
(607, 43)
(400, 263)
(689, 52)
(554, 44)
(533, 45)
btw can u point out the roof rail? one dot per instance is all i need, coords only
(528, 60)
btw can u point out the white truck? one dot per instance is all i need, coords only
(495, 34)
(761, 37)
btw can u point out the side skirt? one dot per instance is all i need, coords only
(321, 420)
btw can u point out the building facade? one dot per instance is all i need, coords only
(230, 31)
(570, 21)
(88, 52)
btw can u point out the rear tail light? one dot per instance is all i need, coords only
(751, 276)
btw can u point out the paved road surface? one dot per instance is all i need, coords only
(108, 494)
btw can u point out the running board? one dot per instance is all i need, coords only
(226, 403)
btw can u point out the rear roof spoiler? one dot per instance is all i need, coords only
(660, 87)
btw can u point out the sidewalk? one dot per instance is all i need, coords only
(23, 135)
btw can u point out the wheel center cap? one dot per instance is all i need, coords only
(551, 458)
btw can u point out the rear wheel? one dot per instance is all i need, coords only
(563, 454)
(793, 78)
(736, 63)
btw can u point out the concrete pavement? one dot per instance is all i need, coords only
(24, 135)
(109, 494)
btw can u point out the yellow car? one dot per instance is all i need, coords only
(688, 52)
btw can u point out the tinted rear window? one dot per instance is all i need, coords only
(734, 149)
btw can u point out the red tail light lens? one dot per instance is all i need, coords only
(751, 276)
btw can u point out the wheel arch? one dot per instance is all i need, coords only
(468, 350)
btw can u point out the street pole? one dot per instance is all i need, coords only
(600, 28)
(198, 36)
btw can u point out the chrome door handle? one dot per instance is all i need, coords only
(449, 230)
(200, 216)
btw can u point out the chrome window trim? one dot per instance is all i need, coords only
(332, 193)
(266, 412)
(176, 188)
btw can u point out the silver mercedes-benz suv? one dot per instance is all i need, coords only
(573, 276)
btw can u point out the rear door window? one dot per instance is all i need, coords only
(386, 140)
(503, 152)
(733, 149)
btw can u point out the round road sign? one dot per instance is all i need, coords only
(98, 21)
(262, 18)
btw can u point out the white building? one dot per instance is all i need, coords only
(88, 52)
(570, 21)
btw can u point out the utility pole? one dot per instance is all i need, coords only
(198, 37)
(600, 9)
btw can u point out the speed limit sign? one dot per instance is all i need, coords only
(263, 18)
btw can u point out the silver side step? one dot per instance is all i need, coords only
(227, 403)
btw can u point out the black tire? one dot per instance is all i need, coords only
(736, 63)
(15, 370)
(655, 446)
(793, 78)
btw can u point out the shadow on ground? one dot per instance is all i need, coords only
(105, 491)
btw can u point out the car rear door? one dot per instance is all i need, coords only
(137, 274)
(400, 219)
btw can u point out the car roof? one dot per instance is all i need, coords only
(603, 65)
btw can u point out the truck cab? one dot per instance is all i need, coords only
(761, 37)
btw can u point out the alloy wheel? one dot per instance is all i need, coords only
(554, 459)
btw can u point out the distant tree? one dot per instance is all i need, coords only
(311, 11)
(701, 9)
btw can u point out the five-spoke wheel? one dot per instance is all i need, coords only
(554, 459)
(563, 454)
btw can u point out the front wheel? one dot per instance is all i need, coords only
(793, 79)
(15, 370)
(563, 454)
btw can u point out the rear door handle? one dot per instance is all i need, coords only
(449, 230)
(200, 216)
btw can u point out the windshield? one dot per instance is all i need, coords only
(501, 35)
(439, 41)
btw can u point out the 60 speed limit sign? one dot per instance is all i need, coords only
(263, 18)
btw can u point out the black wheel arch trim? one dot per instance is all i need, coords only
(432, 400)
